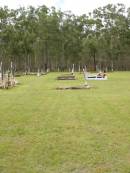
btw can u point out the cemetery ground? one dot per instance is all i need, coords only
(44, 130)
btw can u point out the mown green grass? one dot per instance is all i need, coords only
(43, 130)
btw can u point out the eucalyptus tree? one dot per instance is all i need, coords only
(114, 26)
(46, 37)
(72, 28)
(4, 14)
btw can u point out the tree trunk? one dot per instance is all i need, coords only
(94, 61)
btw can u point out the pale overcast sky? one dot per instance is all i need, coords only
(76, 6)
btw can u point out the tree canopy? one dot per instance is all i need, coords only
(48, 38)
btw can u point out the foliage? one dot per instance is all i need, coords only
(46, 37)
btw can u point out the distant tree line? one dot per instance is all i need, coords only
(41, 38)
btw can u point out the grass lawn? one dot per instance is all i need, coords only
(43, 130)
